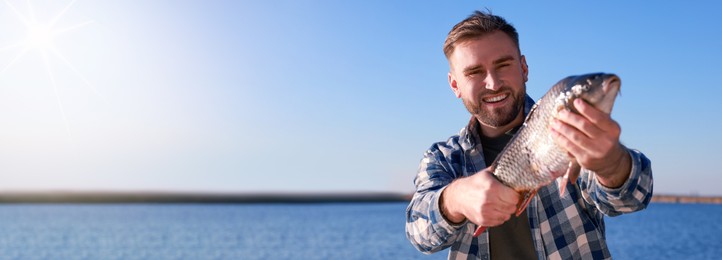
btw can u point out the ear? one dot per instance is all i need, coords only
(453, 85)
(524, 68)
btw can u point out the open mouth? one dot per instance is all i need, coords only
(495, 99)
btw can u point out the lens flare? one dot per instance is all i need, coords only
(40, 37)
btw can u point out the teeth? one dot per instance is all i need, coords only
(495, 99)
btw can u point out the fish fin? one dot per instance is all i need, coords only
(525, 201)
(479, 230)
(563, 183)
(572, 175)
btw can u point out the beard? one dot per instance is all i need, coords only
(500, 116)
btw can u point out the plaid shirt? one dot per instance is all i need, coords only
(567, 227)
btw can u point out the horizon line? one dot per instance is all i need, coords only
(8, 197)
(197, 197)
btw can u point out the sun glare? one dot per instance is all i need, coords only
(40, 36)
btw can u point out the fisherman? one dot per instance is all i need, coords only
(456, 192)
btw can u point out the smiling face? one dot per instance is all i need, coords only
(489, 74)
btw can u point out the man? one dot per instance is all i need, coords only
(456, 193)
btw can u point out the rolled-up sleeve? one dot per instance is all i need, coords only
(633, 195)
(426, 228)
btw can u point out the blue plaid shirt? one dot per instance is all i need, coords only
(567, 227)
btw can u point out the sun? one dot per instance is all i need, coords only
(40, 36)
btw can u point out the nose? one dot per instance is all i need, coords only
(492, 81)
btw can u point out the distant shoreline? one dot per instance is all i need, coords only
(198, 197)
(195, 197)
(664, 198)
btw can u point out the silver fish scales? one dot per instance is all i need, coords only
(532, 159)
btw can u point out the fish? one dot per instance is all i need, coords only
(532, 159)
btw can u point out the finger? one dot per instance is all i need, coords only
(507, 209)
(508, 195)
(571, 136)
(498, 218)
(511, 209)
(490, 169)
(491, 222)
(596, 116)
(492, 217)
(504, 218)
(567, 144)
(580, 122)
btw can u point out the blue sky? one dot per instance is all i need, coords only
(322, 96)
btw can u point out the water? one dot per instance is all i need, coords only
(667, 231)
(299, 231)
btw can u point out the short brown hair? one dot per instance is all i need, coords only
(478, 24)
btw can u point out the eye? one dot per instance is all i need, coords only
(473, 73)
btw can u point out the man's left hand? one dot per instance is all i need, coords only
(592, 138)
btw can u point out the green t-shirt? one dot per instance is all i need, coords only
(511, 240)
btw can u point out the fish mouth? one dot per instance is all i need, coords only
(612, 83)
(496, 98)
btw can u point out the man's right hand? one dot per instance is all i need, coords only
(480, 198)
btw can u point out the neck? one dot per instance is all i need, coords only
(496, 131)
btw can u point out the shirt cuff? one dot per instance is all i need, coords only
(621, 191)
(439, 218)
